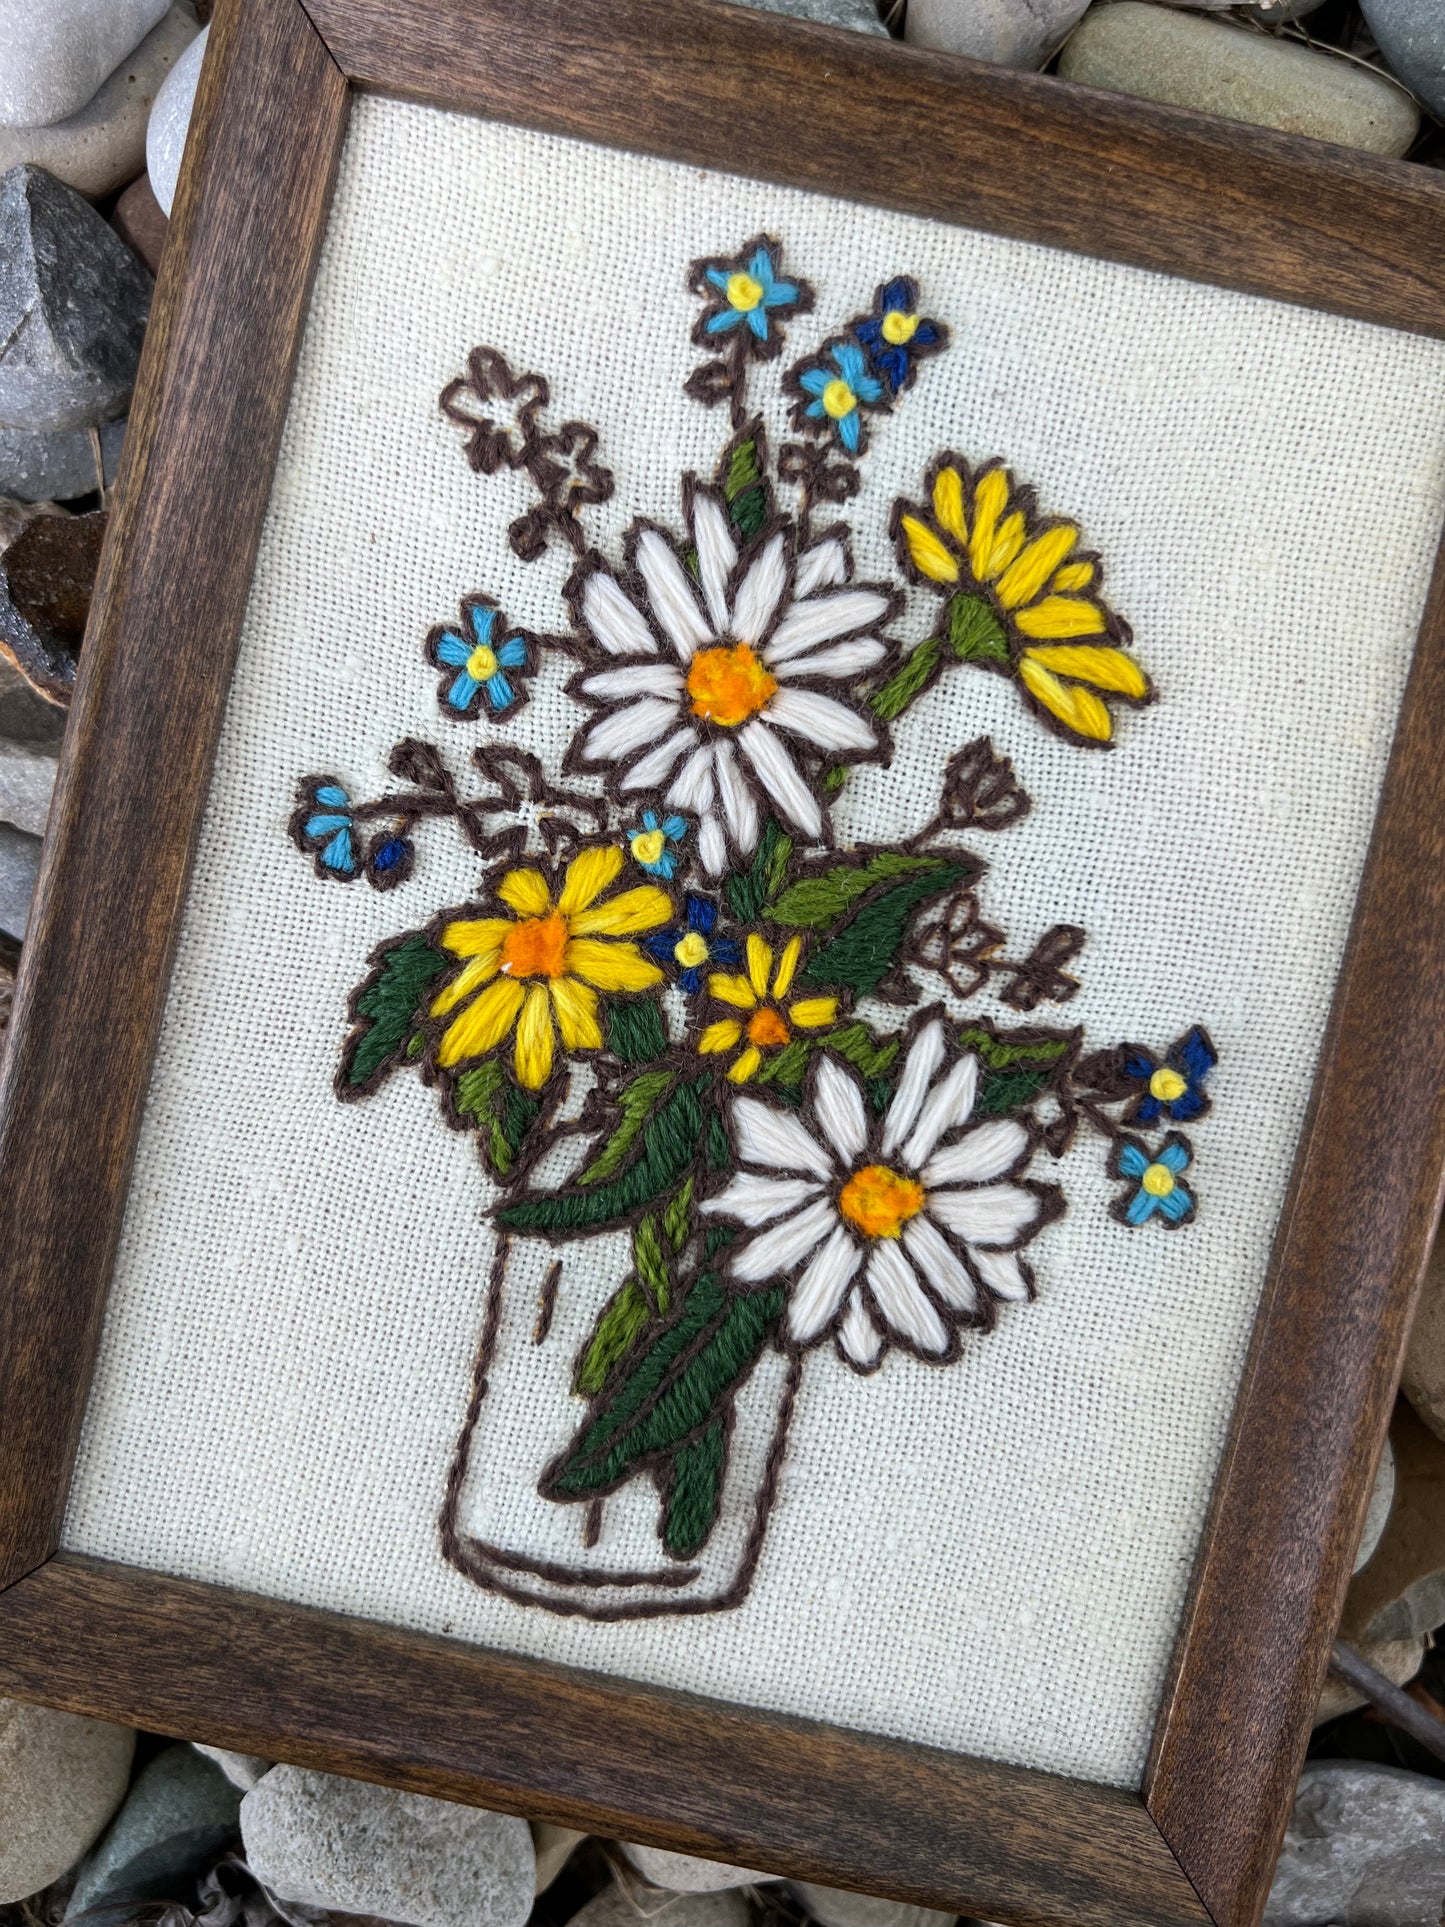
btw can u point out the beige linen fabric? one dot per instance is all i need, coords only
(990, 1557)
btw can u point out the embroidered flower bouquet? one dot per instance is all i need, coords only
(722, 1073)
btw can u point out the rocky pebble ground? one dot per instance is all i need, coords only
(102, 1825)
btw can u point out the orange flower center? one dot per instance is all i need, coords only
(536, 947)
(727, 685)
(766, 1027)
(879, 1201)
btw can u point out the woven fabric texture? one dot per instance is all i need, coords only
(990, 1557)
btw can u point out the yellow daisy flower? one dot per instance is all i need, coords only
(772, 1020)
(541, 967)
(1023, 599)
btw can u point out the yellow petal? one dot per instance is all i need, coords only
(641, 909)
(534, 1040)
(576, 1008)
(1061, 615)
(733, 990)
(990, 497)
(812, 1012)
(787, 965)
(610, 966)
(1077, 709)
(1006, 544)
(1023, 578)
(760, 962)
(747, 1063)
(469, 978)
(930, 557)
(475, 937)
(720, 1036)
(588, 875)
(482, 1025)
(948, 504)
(1074, 575)
(526, 892)
(1105, 668)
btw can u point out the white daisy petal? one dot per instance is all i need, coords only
(843, 659)
(613, 620)
(860, 1339)
(712, 844)
(995, 1214)
(650, 769)
(1001, 1272)
(925, 1054)
(755, 1200)
(760, 591)
(637, 679)
(716, 555)
(821, 567)
(819, 720)
(777, 1250)
(778, 774)
(985, 1152)
(776, 1141)
(670, 595)
(946, 1105)
(839, 1104)
(621, 731)
(739, 805)
(826, 618)
(692, 786)
(815, 1298)
(901, 1300)
(940, 1264)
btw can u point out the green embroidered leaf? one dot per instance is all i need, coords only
(501, 1113)
(816, 902)
(388, 1006)
(719, 1151)
(1001, 1091)
(692, 1500)
(866, 949)
(788, 1068)
(745, 489)
(651, 1262)
(1015, 1071)
(677, 1217)
(748, 893)
(908, 681)
(857, 1044)
(670, 1139)
(834, 780)
(635, 1030)
(636, 1102)
(626, 1314)
(999, 1054)
(975, 633)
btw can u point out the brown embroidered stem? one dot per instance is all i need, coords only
(547, 1302)
(592, 1524)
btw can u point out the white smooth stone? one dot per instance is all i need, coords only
(170, 120)
(54, 54)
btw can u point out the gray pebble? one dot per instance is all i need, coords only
(27, 776)
(684, 1873)
(241, 1769)
(57, 468)
(26, 717)
(19, 861)
(61, 1777)
(613, 1908)
(1189, 60)
(179, 1815)
(861, 16)
(1377, 1514)
(554, 1847)
(170, 119)
(837, 1907)
(1009, 33)
(53, 56)
(1365, 1847)
(1411, 36)
(360, 1849)
(73, 308)
(99, 149)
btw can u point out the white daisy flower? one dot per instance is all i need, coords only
(905, 1228)
(715, 689)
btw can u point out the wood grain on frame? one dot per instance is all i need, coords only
(135, 769)
(872, 120)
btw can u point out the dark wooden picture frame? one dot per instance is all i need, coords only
(1017, 154)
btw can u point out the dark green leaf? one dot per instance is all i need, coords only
(696, 1489)
(748, 893)
(816, 902)
(1001, 1091)
(635, 1030)
(636, 1101)
(745, 489)
(388, 1007)
(866, 949)
(669, 1145)
(975, 633)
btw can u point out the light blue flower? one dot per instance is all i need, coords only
(654, 846)
(838, 397)
(480, 662)
(749, 295)
(1157, 1177)
(323, 825)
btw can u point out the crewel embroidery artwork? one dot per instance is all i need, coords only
(673, 985)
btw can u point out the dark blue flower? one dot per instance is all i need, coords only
(896, 335)
(477, 660)
(837, 397)
(1174, 1087)
(1159, 1191)
(389, 859)
(749, 295)
(691, 948)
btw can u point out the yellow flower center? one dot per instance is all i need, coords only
(1167, 1085)
(744, 293)
(766, 1028)
(727, 685)
(691, 950)
(899, 327)
(536, 947)
(482, 663)
(839, 399)
(879, 1201)
(648, 845)
(1158, 1180)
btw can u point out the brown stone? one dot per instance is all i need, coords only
(1400, 1593)
(46, 578)
(138, 220)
